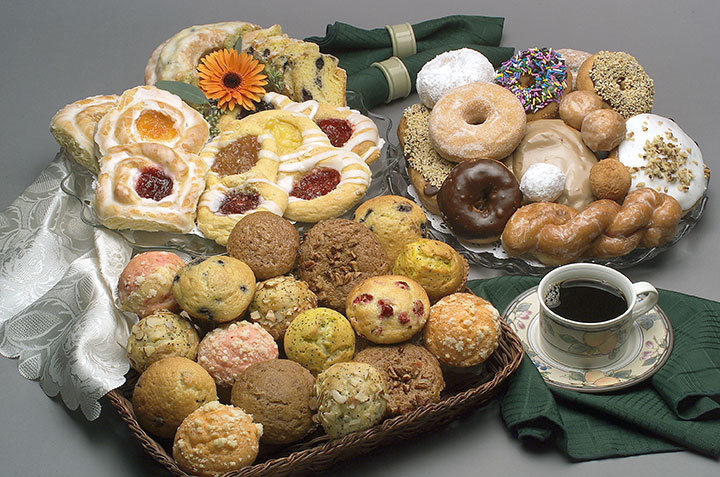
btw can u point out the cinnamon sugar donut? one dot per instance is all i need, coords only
(477, 121)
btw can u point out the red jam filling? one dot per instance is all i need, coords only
(239, 203)
(337, 130)
(153, 184)
(316, 183)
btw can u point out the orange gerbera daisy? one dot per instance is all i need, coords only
(232, 78)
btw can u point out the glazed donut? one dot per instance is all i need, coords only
(576, 105)
(177, 58)
(229, 199)
(149, 187)
(449, 70)
(426, 169)
(477, 121)
(619, 80)
(660, 155)
(478, 198)
(538, 77)
(556, 234)
(573, 61)
(74, 125)
(150, 114)
(323, 182)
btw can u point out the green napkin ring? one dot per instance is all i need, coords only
(403, 39)
(398, 78)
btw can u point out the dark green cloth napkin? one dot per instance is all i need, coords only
(357, 48)
(673, 410)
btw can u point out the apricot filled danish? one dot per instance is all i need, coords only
(149, 186)
(322, 182)
(229, 199)
(149, 114)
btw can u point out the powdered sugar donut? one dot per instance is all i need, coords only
(542, 182)
(452, 69)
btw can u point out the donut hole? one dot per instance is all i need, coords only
(527, 81)
(476, 117)
(480, 205)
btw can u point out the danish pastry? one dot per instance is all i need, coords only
(231, 198)
(323, 182)
(149, 114)
(73, 127)
(149, 186)
(177, 58)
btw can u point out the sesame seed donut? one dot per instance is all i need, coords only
(538, 77)
(619, 80)
(477, 121)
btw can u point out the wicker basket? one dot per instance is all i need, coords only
(469, 391)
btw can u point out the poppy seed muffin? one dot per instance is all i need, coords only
(319, 338)
(278, 301)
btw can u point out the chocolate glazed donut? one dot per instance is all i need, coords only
(478, 198)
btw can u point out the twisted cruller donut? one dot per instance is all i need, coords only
(556, 234)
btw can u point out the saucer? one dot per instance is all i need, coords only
(647, 349)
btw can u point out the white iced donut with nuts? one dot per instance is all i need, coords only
(452, 69)
(542, 183)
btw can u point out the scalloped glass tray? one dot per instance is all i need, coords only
(80, 183)
(493, 256)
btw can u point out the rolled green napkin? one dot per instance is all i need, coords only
(356, 49)
(676, 409)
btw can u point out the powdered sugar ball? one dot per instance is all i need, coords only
(542, 183)
(452, 69)
(226, 352)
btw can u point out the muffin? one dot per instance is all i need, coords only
(394, 219)
(435, 265)
(226, 352)
(216, 439)
(336, 255)
(145, 285)
(215, 289)
(319, 338)
(350, 397)
(267, 242)
(412, 375)
(277, 394)
(168, 391)
(463, 330)
(161, 335)
(388, 308)
(278, 301)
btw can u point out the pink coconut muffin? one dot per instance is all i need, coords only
(226, 352)
(145, 286)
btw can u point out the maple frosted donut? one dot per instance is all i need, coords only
(231, 198)
(322, 183)
(178, 57)
(477, 121)
(538, 77)
(149, 187)
(150, 114)
(74, 125)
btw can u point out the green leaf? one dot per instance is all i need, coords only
(238, 44)
(187, 92)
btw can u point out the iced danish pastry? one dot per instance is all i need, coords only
(231, 198)
(149, 187)
(73, 127)
(149, 114)
(323, 182)
(177, 58)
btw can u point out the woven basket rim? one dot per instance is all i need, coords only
(321, 455)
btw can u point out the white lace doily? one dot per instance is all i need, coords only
(57, 286)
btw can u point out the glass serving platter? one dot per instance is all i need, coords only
(493, 256)
(80, 184)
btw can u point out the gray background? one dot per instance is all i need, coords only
(57, 52)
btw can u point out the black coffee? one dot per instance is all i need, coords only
(586, 301)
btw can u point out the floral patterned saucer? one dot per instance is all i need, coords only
(646, 351)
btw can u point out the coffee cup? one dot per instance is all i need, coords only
(587, 313)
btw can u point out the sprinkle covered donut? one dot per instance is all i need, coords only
(538, 77)
(476, 121)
